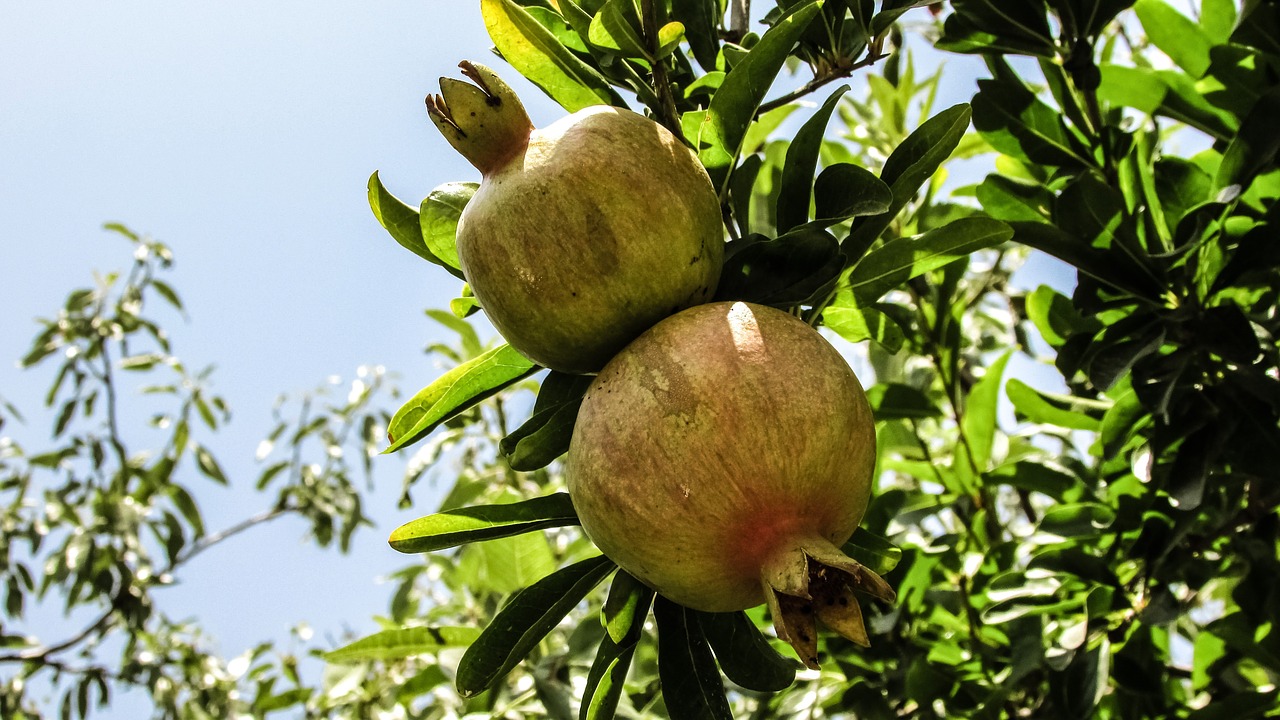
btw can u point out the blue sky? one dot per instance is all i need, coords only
(242, 134)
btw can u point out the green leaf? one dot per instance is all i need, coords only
(856, 324)
(897, 261)
(909, 167)
(522, 623)
(895, 401)
(980, 413)
(508, 564)
(606, 680)
(1062, 411)
(614, 28)
(872, 551)
(1015, 122)
(537, 54)
(790, 270)
(845, 190)
(209, 465)
(1037, 477)
(1177, 36)
(1077, 520)
(701, 19)
(734, 105)
(623, 616)
(1110, 268)
(483, 522)
(438, 217)
(455, 391)
(1055, 317)
(407, 642)
(983, 26)
(691, 686)
(1253, 149)
(625, 608)
(1004, 198)
(801, 165)
(545, 435)
(745, 656)
(467, 335)
(400, 220)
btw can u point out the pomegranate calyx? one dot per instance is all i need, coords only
(484, 121)
(816, 582)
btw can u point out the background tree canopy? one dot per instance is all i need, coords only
(1097, 538)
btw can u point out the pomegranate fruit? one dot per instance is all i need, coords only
(583, 234)
(723, 458)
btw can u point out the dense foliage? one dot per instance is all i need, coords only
(1107, 549)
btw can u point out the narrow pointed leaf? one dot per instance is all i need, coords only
(626, 607)
(407, 642)
(801, 163)
(476, 523)
(545, 435)
(745, 656)
(623, 615)
(1048, 409)
(524, 621)
(455, 391)
(734, 105)
(897, 261)
(691, 685)
(606, 680)
(538, 55)
(910, 166)
(400, 220)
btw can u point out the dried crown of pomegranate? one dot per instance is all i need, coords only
(722, 458)
(583, 234)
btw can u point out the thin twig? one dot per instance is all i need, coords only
(667, 113)
(818, 81)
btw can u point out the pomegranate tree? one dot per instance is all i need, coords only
(723, 458)
(583, 234)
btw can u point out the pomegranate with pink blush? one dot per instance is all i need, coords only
(723, 458)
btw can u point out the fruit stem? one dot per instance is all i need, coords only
(484, 121)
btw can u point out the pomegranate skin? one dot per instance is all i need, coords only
(603, 226)
(721, 453)
(582, 234)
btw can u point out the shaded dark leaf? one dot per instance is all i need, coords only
(691, 685)
(789, 270)
(745, 656)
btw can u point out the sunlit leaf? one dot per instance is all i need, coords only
(477, 523)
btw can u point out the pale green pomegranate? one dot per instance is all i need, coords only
(723, 458)
(583, 234)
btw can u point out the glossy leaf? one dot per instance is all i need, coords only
(522, 623)
(982, 26)
(408, 642)
(545, 435)
(745, 656)
(476, 523)
(856, 324)
(541, 58)
(789, 270)
(615, 27)
(401, 221)
(1178, 36)
(439, 220)
(872, 551)
(691, 686)
(734, 105)
(455, 391)
(801, 165)
(844, 191)
(895, 401)
(894, 263)
(1253, 149)
(1014, 121)
(1049, 409)
(909, 167)
(606, 680)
